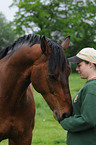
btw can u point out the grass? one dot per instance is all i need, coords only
(75, 83)
(47, 131)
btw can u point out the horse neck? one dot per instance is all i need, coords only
(15, 75)
(25, 56)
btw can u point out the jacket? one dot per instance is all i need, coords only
(81, 126)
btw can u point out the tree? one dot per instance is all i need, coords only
(7, 34)
(38, 17)
(57, 19)
(83, 21)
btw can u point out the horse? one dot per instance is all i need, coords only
(38, 60)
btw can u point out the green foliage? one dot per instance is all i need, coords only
(73, 67)
(57, 19)
(7, 34)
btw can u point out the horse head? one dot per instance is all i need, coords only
(49, 77)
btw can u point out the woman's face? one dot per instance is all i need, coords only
(83, 69)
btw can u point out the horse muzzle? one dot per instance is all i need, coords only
(62, 117)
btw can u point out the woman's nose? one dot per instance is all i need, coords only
(77, 68)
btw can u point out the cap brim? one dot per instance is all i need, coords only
(75, 59)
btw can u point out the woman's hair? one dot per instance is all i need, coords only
(88, 62)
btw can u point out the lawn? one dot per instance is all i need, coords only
(47, 131)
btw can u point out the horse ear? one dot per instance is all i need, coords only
(65, 43)
(44, 46)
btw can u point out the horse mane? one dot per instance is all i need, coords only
(57, 59)
(26, 39)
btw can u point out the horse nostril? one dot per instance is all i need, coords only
(57, 115)
(65, 115)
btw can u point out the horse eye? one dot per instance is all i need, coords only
(53, 77)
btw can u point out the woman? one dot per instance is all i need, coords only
(81, 126)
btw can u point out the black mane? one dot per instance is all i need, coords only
(26, 39)
(57, 59)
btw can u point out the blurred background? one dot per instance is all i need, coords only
(52, 18)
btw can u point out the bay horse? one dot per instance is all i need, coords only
(38, 60)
